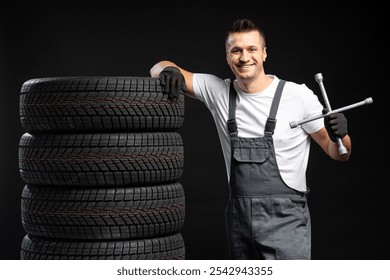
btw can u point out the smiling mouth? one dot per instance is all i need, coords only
(246, 66)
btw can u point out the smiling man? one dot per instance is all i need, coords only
(267, 215)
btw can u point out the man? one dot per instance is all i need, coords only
(267, 215)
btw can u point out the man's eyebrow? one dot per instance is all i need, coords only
(247, 47)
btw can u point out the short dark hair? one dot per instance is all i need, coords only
(245, 25)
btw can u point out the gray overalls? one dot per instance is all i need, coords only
(265, 218)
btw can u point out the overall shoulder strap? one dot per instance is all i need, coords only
(271, 121)
(231, 123)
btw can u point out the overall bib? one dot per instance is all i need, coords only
(265, 218)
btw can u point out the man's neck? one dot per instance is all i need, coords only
(255, 85)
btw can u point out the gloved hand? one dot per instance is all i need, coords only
(172, 81)
(335, 124)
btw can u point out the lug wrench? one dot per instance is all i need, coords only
(319, 79)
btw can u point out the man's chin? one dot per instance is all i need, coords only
(245, 76)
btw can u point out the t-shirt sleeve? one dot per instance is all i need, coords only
(209, 89)
(313, 107)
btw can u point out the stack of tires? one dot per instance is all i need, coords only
(102, 159)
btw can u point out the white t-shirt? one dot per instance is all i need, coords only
(292, 145)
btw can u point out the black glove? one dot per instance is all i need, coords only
(335, 124)
(172, 81)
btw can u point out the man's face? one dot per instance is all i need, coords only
(245, 54)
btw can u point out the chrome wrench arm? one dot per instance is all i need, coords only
(318, 77)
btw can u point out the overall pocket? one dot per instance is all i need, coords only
(248, 161)
(250, 154)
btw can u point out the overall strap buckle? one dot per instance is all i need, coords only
(270, 125)
(232, 127)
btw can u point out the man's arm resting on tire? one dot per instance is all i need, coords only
(159, 67)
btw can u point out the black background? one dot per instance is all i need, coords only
(346, 43)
